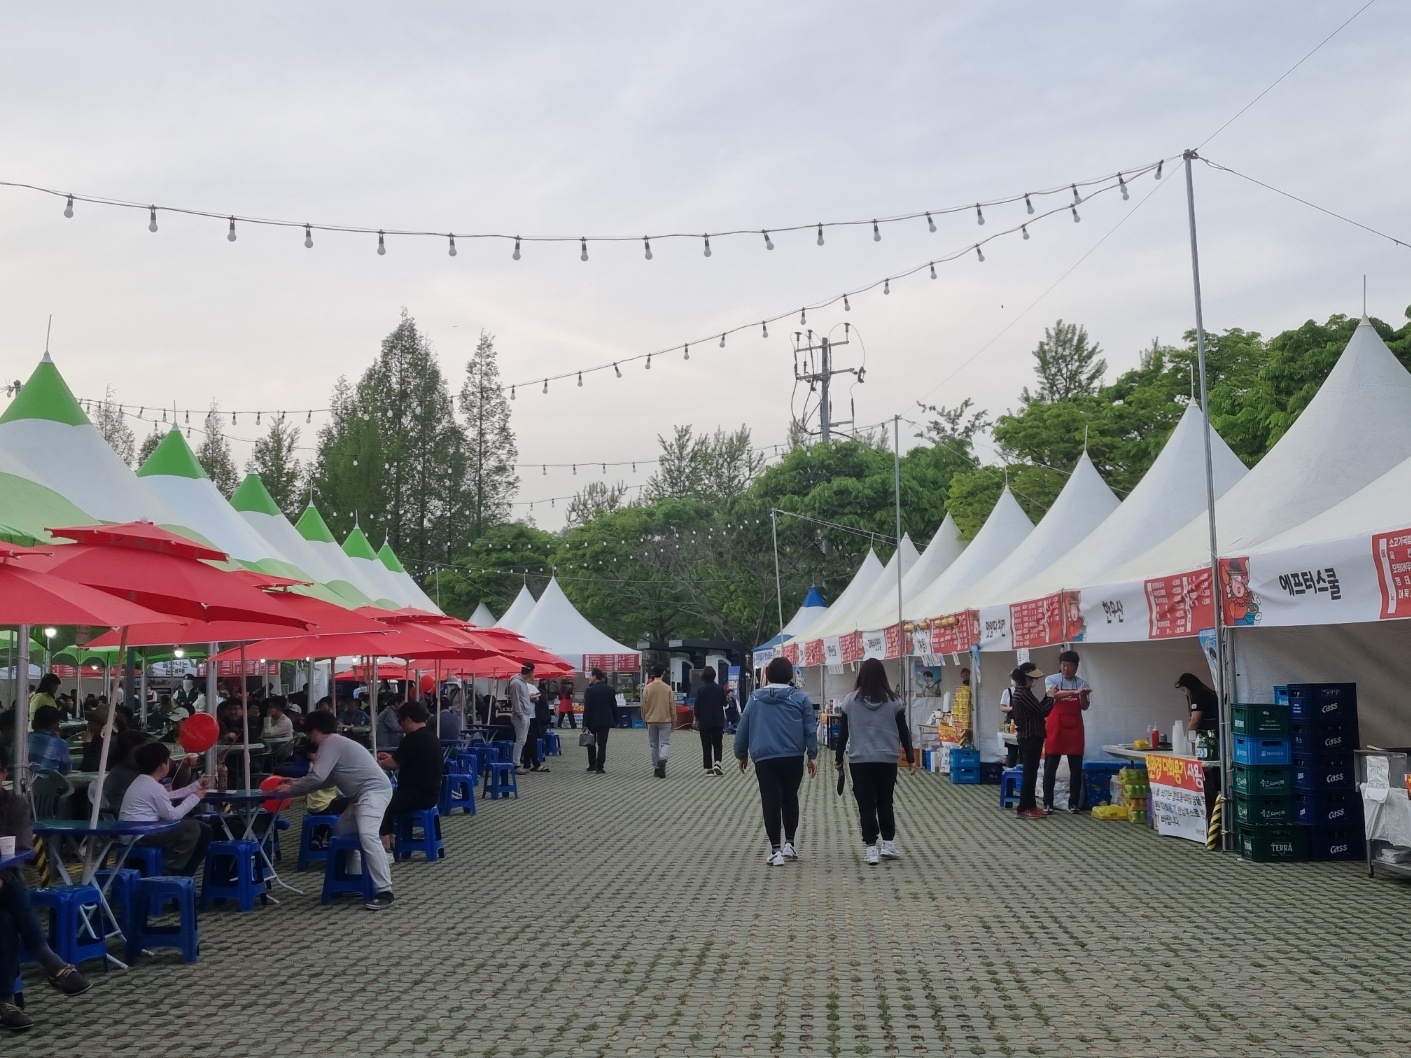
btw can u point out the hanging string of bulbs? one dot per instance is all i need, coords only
(766, 232)
(1117, 183)
(90, 403)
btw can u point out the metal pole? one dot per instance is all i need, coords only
(211, 651)
(825, 410)
(22, 713)
(244, 699)
(896, 488)
(372, 683)
(1226, 740)
(778, 583)
(107, 737)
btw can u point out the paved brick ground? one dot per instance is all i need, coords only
(622, 915)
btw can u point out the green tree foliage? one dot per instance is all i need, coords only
(594, 500)
(108, 416)
(495, 565)
(148, 446)
(712, 467)
(277, 465)
(1067, 365)
(490, 479)
(214, 453)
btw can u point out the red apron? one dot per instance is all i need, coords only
(1064, 731)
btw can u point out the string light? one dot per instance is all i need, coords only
(933, 269)
(584, 255)
(707, 246)
(979, 252)
(979, 214)
(310, 416)
(257, 418)
(230, 237)
(1122, 186)
(580, 380)
(511, 393)
(930, 223)
(546, 385)
(1028, 205)
(451, 250)
(887, 287)
(232, 418)
(515, 256)
(381, 246)
(616, 370)
(876, 231)
(685, 352)
(648, 244)
(1076, 218)
(765, 326)
(722, 339)
(308, 236)
(649, 361)
(1025, 229)
(820, 233)
(768, 242)
(803, 317)
(68, 207)
(1077, 198)
(1158, 168)
(846, 306)
(152, 226)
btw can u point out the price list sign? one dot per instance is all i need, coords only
(1179, 605)
(1037, 622)
(1177, 796)
(1392, 554)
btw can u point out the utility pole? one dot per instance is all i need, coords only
(818, 373)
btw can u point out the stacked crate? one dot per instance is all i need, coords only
(1263, 784)
(965, 766)
(1324, 733)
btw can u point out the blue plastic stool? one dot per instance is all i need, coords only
(541, 749)
(504, 752)
(555, 748)
(1009, 781)
(145, 859)
(151, 898)
(457, 791)
(234, 871)
(485, 754)
(120, 891)
(337, 879)
(500, 781)
(406, 840)
(75, 921)
(465, 762)
(307, 833)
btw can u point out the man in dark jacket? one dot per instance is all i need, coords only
(418, 763)
(599, 717)
(710, 720)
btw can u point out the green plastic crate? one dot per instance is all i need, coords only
(1264, 811)
(1273, 844)
(1260, 721)
(1263, 780)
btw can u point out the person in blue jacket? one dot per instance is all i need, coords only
(778, 729)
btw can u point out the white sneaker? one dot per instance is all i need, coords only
(869, 856)
(788, 851)
(890, 851)
(776, 859)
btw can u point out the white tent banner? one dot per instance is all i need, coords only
(832, 650)
(874, 644)
(920, 643)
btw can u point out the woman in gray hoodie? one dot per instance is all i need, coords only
(873, 731)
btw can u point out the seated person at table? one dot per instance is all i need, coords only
(418, 764)
(122, 770)
(351, 768)
(18, 923)
(277, 727)
(452, 729)
(389, 724)
(352, 716)
(148, 801)
(46, 749)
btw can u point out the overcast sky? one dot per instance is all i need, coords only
(595, 119)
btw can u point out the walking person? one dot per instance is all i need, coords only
(566, 706)
(522, 693)
(659, 714)
(1065, 736)
(778, 730)
(710, 720)
(873, 731)
(1029, 715)
(599, 718)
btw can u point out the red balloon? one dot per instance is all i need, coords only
(199, 733)
(273, 806)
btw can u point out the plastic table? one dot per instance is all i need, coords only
(248, 808)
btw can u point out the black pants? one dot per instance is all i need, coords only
(184, 849)
(873, 785)
(598, 751)
(20, 925)
(779, 779)
(403, 800)
(710, 746)
(1030, 751)
(571, 717)
(1075, 778)
(530, 757)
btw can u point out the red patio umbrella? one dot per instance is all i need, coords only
(32, 597)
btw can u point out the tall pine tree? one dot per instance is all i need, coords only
(214, 454)
(112, 424)
(277, 465)
(490, 480)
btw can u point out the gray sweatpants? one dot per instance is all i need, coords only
(364, 818)
(659, 738)
(521, 736)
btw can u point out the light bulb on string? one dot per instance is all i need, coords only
(846, 307)
(768, 242)
(257, 418)
(512, 388)
(933, 269)
(1077, 198)
(68, 207)
(1025, 229)
(647, 243)
(876, 231)
(381, 246)
(545, 474)
(451, 250)
(765, 327)
(685, 352)
(820, 233)
(308, 237)
(152, 225)
(232, 418)
(979, 214)
(979, 252)
(605, 468)
(1158, 170)
(649, 361)
(707, 246)
(803, 317)
(886, 286)
(1028, 205)
(616, 370)
(580, 380)
(584, 255)
(1076, 218)
(515, 256)
(164, 412)
(310, 416)
(1122, 186)
(546, 385)
(188, 416)
(722, 339)
(575, 469)
(230, 235)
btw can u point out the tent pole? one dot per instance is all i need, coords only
(905, 680)
(22, 782)
(143, 692)
(102, 760)
(211, 651)
(245, 721)
(778, 582)
(1216, 592)
(372, 670)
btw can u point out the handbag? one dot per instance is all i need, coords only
(587, 739)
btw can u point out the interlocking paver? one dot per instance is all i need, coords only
(621, 914)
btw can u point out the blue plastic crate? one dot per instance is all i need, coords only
(1322, 701)
(1318, 772)
(964, 758)
(1249, 750)
(1336, 843)
(1281, 695)
(968, 775)
(991, 772)
(1336, 735)
(1097, 780)
(1333, 808)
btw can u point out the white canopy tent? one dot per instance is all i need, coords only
(519, 610)
(557, 625)
(411, 590)
(840, 621)
(319, 537)
(1004, 530)
(482, 616)
(364, 559)
(862, 581)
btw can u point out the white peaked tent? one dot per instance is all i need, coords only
(882, 590)
(809, 610)
(253, 503)
(364, 559)
(28, 509)
(1355, 429)
(45, 432)
(857, 589)
(945, 547)
(1084, 503)
(482, 617)
(410, 589)
(1170, 493)
(319, 537)
(1004, 530)
(556, 625)
(519, 610)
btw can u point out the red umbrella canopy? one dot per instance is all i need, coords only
(395, 643)
(145, 564)
(29, 596)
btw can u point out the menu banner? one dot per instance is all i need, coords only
(955, 632)
(874, 644)
(1177, 795)
(1037, 622)
(833, 650)
(1179, 605)
(813, 652)
(612, 662)
(851, 646)
(894, 641)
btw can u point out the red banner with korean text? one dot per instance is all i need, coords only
(955, 633)
(1179, 605)
(813, 652)
(894, 641)
(851, 646)
(791, 651)
(1037, 622)
(1391, 554)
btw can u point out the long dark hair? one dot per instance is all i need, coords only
(872, 682)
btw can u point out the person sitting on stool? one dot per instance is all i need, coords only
(148, 801)
(418, 763)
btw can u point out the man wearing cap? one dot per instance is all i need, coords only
(522, 693)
